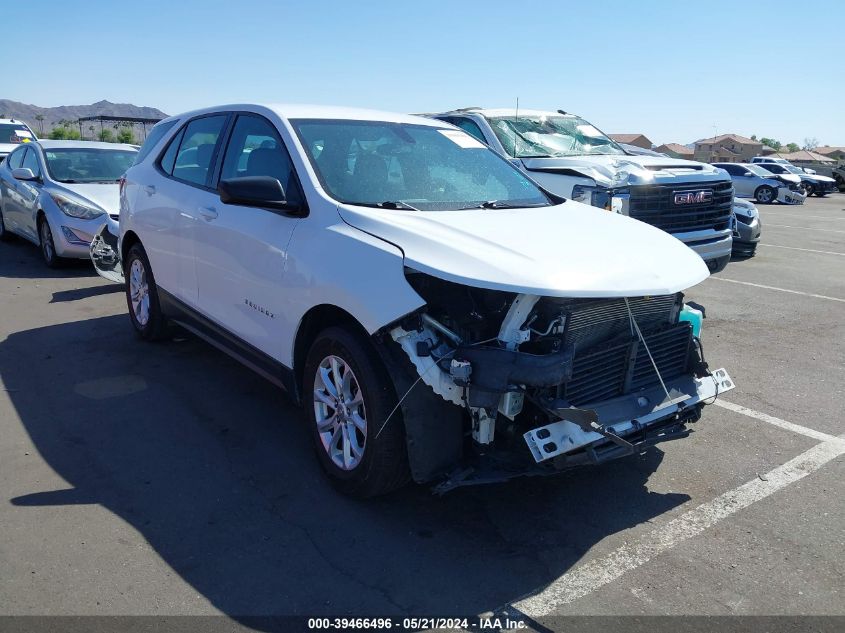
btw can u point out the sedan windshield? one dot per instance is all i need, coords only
(526, 136)
(759, 170)
(78, 164)
(411, 167)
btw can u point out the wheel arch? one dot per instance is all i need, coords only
(130, 238)
(317, 319)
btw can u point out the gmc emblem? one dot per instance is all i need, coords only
(693, 197)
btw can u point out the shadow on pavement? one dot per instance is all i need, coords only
(21, 259)
(214, 468)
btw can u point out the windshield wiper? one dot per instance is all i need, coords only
(395, 204)
(498, 204)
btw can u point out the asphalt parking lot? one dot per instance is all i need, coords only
(167, 479)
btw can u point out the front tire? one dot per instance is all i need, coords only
(350, 402)
(809, 189)
(765, 194)
(48, 246)
(142, 296)
(4, 234)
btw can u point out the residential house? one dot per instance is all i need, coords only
(727, 148)
(834, 152)
(803, 156)
(675, 150)
(639, 140)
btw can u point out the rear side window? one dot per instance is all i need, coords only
(155, 135)
(168, 161)
(16, 158)
(196, 151)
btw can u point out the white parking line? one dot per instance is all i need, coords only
(765, 417)
(803, 228)
(794, 292)
(806, 250)
(598, 573)
(809, 217)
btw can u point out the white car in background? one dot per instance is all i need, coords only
(57, 194)
(12, 134)
(753, 181)
(439, 316)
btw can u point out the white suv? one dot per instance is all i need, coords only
(438, 315)
(12, 134)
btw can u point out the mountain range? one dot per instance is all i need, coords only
(27, 113)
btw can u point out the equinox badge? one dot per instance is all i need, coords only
(693, 197)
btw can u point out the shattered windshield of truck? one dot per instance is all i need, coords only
(407, 167)
(541, 136)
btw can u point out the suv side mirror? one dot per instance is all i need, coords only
(23, 173)
(255, 191)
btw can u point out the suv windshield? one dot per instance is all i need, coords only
(78, 164)
(15, 133)
(411, 167)
(526, 136)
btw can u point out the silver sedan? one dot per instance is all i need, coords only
(58, 194)
(753, 181)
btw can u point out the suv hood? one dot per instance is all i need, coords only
(104, 195)
(568, 250)
(616, 171)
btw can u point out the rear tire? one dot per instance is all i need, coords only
(348, 395)
(765, 194)
(142, 296)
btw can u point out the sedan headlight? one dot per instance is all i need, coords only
(76, 208)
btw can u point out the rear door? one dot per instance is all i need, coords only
(241, 251)
(173, 203)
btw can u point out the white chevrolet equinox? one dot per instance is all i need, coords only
(439, 316)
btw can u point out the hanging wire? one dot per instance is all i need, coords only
(648, 351)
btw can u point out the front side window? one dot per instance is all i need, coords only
(759, 170)
(88, 165)
(543, 136)
(470, 127)
(408, 166)
(196, 151)
(30, 161)
(256, 149)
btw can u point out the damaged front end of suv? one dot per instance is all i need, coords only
(526, 384)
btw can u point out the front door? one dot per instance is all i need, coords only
(241, 251)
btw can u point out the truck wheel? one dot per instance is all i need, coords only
(765, 194)
(142, 296)
(348, 396)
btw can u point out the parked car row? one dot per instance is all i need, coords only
(755, 181)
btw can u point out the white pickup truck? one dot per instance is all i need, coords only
(572, 158)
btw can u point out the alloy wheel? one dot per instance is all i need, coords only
(139, 292)
(339, 412)
(47, 246)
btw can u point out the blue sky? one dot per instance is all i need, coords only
(676, 71)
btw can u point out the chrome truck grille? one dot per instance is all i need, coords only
(659, 206)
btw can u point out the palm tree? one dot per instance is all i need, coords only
(40, 119)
